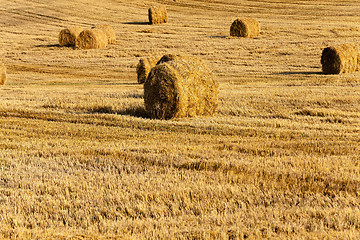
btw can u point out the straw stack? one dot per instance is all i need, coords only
(343, 58)
(245, 27)
(183, 87)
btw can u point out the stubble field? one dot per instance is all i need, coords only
(80, 159)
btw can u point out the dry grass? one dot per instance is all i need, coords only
(79, 159)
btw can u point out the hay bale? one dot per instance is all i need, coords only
(245, 27)
(157, 15)
(67, 36)
(344, 58)
(171, 57)
(2, 74)
(144, 66)
(109, 32)
(92, 38)
(184, 87)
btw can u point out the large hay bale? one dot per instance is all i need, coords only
(157, 15)
(171, 57)
(67, 36)
(109, 32)
(144, 66)
(2, 74)
(92, 38)
(184, 87)
(245, 27)
(343, 58)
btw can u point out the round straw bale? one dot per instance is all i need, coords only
(109, 31)
(343, 58)
(92, 38)
(144, 66)
(67, 36)
(245, 27)
(180, 88)
(171, 57)
(2, 74)
(157, 15)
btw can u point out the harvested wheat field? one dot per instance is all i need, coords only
(80, 158)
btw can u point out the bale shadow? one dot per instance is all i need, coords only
(135, 95)
(123, 83)
(137, 111)
(299, 73)
(137, 23)
(217, 36)
(48, 46)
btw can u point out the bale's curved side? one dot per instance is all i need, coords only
(109, 32)
(90, 39)
(245, 27)
(2, 74)
(144, 66)
(171, 57)
(344, 58)
(180, 88)
(157, 15)
(67, 36)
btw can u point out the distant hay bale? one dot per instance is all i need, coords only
(144, 66)
(245, 27)
(92, 38)
(67, 36)
(157, 15)
(344, 58)
(184, 87)
(109, 31)
(2, 74)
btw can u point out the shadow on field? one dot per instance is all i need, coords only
(218, 36)
(48, 46)
(299, 73)
(137, 23)
(122, 83)
(130, 111)
(134, 112)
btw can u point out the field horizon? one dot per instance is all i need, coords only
(80, 158)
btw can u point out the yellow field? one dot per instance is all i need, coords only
(79, 159)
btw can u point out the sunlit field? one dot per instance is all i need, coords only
(81, 159)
